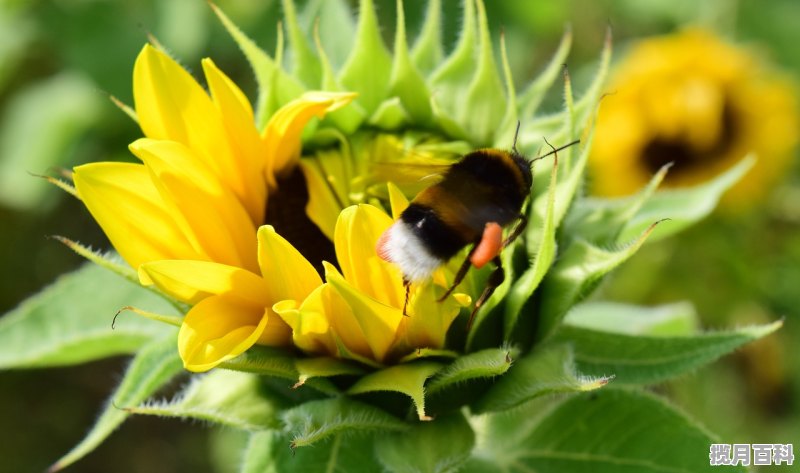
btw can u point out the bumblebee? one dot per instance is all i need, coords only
(477, 198)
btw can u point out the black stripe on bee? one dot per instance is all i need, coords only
(442, 241)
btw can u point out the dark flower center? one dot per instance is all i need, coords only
(686, 157)
(286, 211)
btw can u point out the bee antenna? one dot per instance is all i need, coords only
(516, 135)
(555, 150)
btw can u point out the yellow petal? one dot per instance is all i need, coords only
(211, 217)
(378, 322)
(237, 117)
(323, 207)
(430, 319)
(217, 329)
(357, 232)
(287, 273)
(123, 200)
(171, 105)
(311, 331)
(283, 131)
(193, 281)
(397, 200)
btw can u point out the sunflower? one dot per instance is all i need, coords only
(697, 102)
(200, 192)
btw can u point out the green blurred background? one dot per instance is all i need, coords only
(60, 59)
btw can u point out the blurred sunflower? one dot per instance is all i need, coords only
(695, 101)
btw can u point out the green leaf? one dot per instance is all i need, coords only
(314, 421)
(224, 397)
(577, 273)
(69, 322)
(56, 111)
(428, 447)
(427, 52)
(666, 320)
(268, 452)
(368, 69)
(481, 364)
(607, 431)
(648, 359)
(406, 81)
(600, 220)
(275, 86)
(684, 206)
(154, 366)
(408, 379)
(546, 370)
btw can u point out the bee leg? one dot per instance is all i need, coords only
(407, 286)
(521, 225)
(462, 272)
(495, 279)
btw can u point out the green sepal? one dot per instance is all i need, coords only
(306, 64)
(607, 431)
(586, 107)
(546, 370)
(683, 207)
(109, 261)
(484, 104)
(421, 353)
(368, 68)
(452, 78)
(408, 379)
(437, 447)
(153, 367)
(275, 86)
(506, 130)
(70, 322)
(334, 21)
(268, 452)
(427, 51)
(323, 367)
(530, 99)
(545, 241)
(230, 398)
(112, 262)
(576, 116)
(390, 115)
(637, 359)
(674, 319)
(577, 273)
(270, 361)
(406, 82)
(347, 119)
(318, 420)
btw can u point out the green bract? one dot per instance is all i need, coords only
(510, 395)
